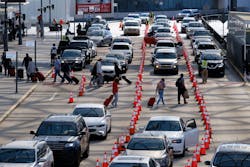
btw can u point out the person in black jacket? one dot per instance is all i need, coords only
(118, 73)
(6, 63)
(66, 73)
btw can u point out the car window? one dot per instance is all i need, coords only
(232, 159)
(120, 47)
(211, 57)
(206, 46)
(146, 144)
(163, 126)
(89, 112)
(57, 129)
(131, 24)
(165, 56)
(12, 155)
(167, 44)
(79, 44)
(71, 54)
(127, 164)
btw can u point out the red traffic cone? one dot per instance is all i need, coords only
(127, 138)
(121, 143)
(206, 143)
(105, 162)
(202, 149)
(53, 73)
(116, 153)
(112, 154)
(80, 91)
(71, 99)
(194, 160)
(132, 128)
(198, 157)
(97, 163)
(188, 163)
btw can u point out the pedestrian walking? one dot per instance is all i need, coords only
(160, 90)
(99, 72)
(115, 92)
(118, 73)
(180, 84)
(94, 75)
(204, 72)
(53, 52)
(57, 66)
(25, 62)
(66, 72)
(38, 29)
(31, 70)
(6, 63)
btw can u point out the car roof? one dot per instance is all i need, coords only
(72, 49)
(163, 117)
(121, 43)
(62, 118)
(22, 144)
(89, 105)
(166, 50)
(188, 18)
(131, 159)
(233, 147)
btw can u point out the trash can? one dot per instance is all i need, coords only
(20, 73)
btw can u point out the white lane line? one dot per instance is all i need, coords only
(52, 97)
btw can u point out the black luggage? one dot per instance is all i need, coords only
(74, 79)
(126, 79)
(11, 71)
(1, 69)
(40, 76)
(20, 73)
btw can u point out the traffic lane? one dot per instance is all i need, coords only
(227, 101)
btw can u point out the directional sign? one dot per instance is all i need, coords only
(11, 55)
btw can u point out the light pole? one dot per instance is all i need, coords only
(20, 26)
(5, 39)
(41, 21)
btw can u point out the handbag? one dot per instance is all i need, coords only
(185, 94)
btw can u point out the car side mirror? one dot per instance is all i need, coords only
(32, 132)
(108, 115)
(207, 163)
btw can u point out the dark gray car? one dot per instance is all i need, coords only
(101, 37)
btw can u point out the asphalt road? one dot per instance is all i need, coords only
(227, 102)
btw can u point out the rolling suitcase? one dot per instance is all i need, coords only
(11, 71)
(151, 101)
(1, 69)
(20, 73)
(107, 101)
(74, 79)
(33, 78)
(40, 76)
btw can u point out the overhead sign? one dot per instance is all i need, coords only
(30, 43)
(93, 6)
(14, 1)
(11, 55)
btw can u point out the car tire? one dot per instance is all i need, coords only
(86, 152)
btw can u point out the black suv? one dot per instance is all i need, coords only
(67, 136)
(74, 57)
(215, 63)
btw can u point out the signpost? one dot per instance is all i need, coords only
(12, 55)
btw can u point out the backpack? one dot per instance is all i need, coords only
(53, 50)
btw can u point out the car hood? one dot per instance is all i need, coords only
(150, 153)
(169, 134)
(17, 164)
(110, 68)
(215, 61)
(56, 138)
(125, 52)
(90, 121)
(166, 60)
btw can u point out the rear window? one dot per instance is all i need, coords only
(206, 46)
(120, 47)
(79, 44)
(131, 24)
(167, 44)
(165, 56)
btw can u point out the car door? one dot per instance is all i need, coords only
(191, 133)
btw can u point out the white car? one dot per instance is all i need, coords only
(185, 22)
(96, 116)
(131, 27)
(108, 68)
(165, 60)
(231, 154)
(123, 47)
(132, 161)
(181, 135)
(28, 153)
(135, 16)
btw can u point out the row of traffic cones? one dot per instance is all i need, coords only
(205, 141)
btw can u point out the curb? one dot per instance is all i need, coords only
(25, 96)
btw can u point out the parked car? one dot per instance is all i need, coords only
(97, 118)
(156, 147)
(165, 60)
(74, 57)
(123, 60)
(131, 27)
(231, 155)
(67, 136)
(101, 37)
(133, 161)
(122, 47)
(181, 135)
(28, 153)
(215, 63)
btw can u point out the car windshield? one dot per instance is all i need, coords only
(120, 47)
(79, 44)
(166, 44)
(211, 57)
(186, 11)
(163, 126)
(163, 35)
(96, 33)
(201, 33)
(131, 24)
(232, 159)
(187, 20)
(127, 164)
(107, 63)
(144, 14)
(70, 54)
(206, 46)
(122, 40)
(163, 30)
(155, 27)
(119, 57)
(12, 155)
(57, 129)
(146, 144)
(165, 56)
(89, 112)
(195, 25)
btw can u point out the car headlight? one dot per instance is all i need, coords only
(176, 140)
(78, 61)
(62, 61)
(69, 145)
(221, 65)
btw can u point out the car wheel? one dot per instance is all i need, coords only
(86, 152)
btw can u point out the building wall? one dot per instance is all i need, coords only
(243, 5)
